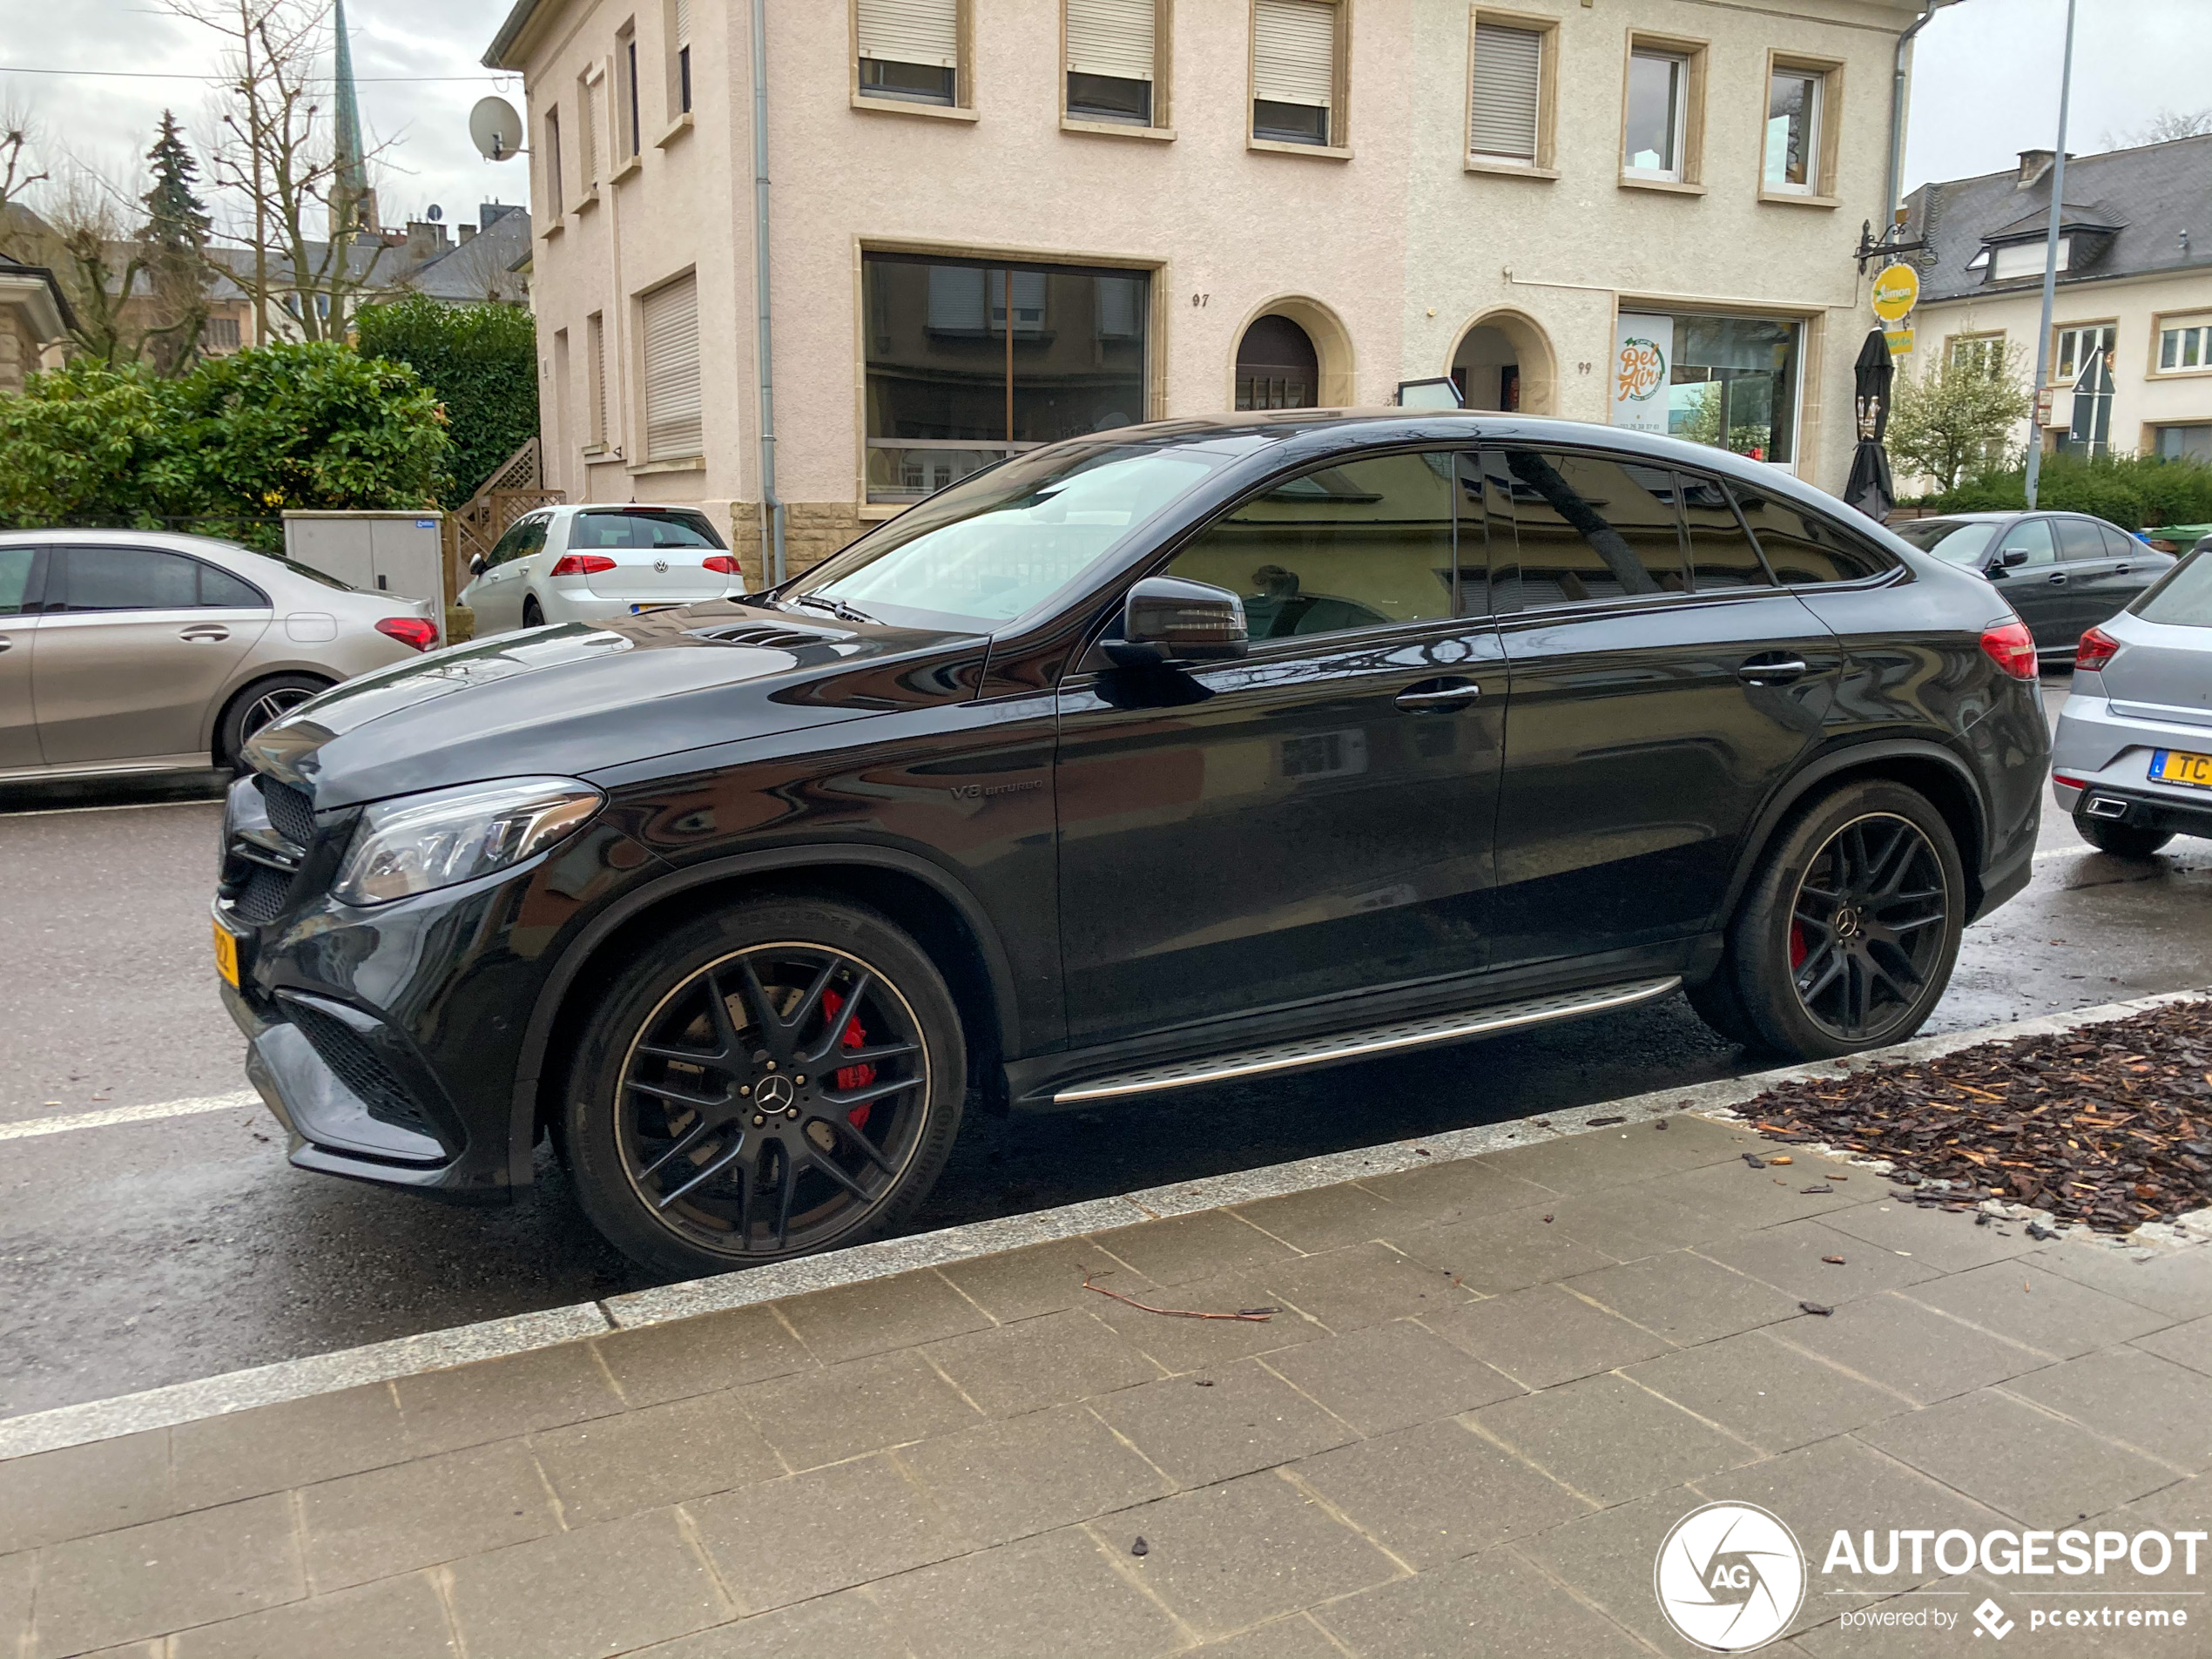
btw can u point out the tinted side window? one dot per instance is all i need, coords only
(129, 578)
(1802, 550)
(15, 565)
(1590, 529)
(219, 587)
(2079, 539)
(2119, 544)
(1360, 544)
(2033, 538)
(524, 538)
(1721, 554)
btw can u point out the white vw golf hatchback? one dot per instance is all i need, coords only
(591, 563)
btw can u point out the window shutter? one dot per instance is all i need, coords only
(1508, 68)
(911, 31)
(594, 143)
(1294, 51)
(956, 299)
(683, 22)
(1111, 37)
(598, 380)
(673, 423)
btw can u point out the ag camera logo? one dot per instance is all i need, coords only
(1729, 1577)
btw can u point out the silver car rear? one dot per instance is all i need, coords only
(2132, 758)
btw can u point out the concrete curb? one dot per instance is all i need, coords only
(104, 1420)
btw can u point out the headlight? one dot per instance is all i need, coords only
(415, 843)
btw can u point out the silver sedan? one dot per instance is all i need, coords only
(2132, 758)
(125, 651)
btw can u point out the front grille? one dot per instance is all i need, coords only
(263, 895)
(291, 814)
(356, 1065)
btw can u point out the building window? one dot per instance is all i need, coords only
(563, 397)
(680, 56)
(1113, 65)
(219, 335)
(669, 324)
(594, 373)
(2184, 346)
(1655, 142)
(553, 164)
(590, 113)
(1296, 85)
(1794, 130)
(2177, 443)
(1728, 382)
(2074, 347)
(2026, 258)
(909, 49)
(1985, 353)
(626, 91)
(1508, 92)
(969, 360)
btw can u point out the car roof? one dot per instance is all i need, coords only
(170, 541)
(629, 507)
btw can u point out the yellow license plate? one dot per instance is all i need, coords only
(2179, 766)
(226, 954)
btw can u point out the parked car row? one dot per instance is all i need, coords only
(2061, 572)
(123, 652)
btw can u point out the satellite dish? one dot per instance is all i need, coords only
(497, 129)
(434, 213)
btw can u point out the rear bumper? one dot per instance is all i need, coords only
(580, 603)
(2101, 763)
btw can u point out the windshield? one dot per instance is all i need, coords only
(2183, 597)
(1005, 541)
(1948, 539)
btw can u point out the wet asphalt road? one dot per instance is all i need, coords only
(140, 1254)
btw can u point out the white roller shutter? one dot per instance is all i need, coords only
(672, 422)
(683, 22)
(595, 159)
(599, 378)
(911, 31)
(1111, 37)
(1294, 51)
(1508, 72)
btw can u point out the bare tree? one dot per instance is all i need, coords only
(2165, 125)
(278, 160)
(19, 171)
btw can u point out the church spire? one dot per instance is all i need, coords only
(353, 204)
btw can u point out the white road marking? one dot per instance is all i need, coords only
(29, 1127)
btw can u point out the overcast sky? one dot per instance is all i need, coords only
(1985, 83)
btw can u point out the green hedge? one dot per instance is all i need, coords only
(2133, 491)
(482, 362)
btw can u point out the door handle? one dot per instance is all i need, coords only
(2057, 578)
(1771, 670)
(206, 633)
(1443, 700)
(2119, 569)
(6, 643)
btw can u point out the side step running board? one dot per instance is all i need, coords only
(1305, 1052)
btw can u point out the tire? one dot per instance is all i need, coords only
(1717, 1002)
(701, 1134)
(2119, 839)
(255, 706)
(533, 613)
(1847, 936)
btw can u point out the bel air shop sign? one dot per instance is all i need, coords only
(1643, 361)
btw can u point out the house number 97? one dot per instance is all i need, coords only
(1200, 299)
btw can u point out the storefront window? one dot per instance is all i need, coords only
(972, 360)
(1733, 385)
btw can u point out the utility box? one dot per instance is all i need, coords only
(396, 553)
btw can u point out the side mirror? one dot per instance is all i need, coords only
(1167, 619)
(477, 565)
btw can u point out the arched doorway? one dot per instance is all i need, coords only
(1277, 367)
(1504, 362)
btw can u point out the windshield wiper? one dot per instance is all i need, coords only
(837, 607)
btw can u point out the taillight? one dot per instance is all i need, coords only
(418, 631)
(721, 565)
(2097, 648)
(582, 563)
(2012, 648)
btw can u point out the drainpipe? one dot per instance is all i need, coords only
(1891, 202)
(769, 500)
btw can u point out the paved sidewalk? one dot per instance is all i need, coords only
(1491, 1386)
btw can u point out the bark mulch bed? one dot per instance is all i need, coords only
(2109, 1125)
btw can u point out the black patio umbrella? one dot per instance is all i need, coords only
(1870, 489)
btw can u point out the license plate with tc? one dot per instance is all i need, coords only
(2179, 766)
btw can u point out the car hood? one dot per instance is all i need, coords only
(575, 698)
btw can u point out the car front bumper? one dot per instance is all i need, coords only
(2100, 766)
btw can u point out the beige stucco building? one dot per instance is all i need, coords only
(2134, 286)
(994, 223)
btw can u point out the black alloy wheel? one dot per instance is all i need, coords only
(1847, 937)
(776, 1096)
(1866, 926)
(261, 704)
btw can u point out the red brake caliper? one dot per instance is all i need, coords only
(1796, 947)
(851, 1076)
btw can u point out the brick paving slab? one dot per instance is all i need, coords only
(1464, 1432)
